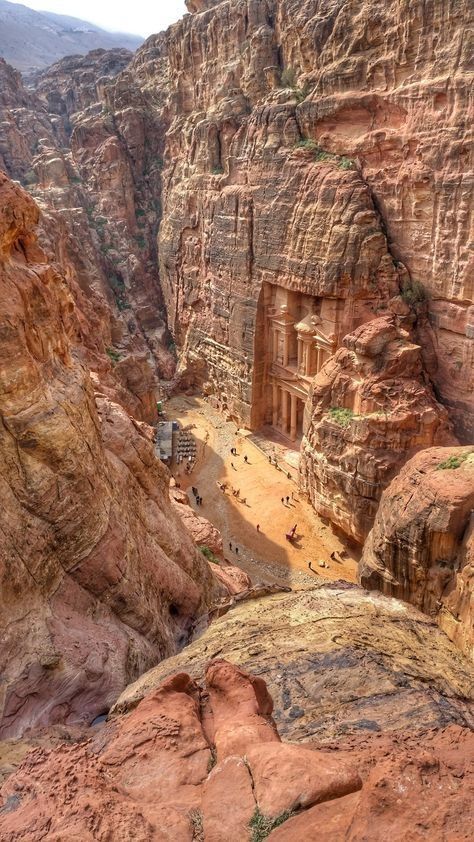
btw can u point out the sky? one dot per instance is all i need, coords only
(139, 17)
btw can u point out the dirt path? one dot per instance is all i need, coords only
(265, 554)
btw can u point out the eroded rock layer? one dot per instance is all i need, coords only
(370, 408)
(301, 134)
(204, 760)
(99, 579)
(421, 548)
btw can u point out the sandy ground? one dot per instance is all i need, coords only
(265, 554)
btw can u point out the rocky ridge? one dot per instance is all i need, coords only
(370, 409)
(197, 754)
(421, 547)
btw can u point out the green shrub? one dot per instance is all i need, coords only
(113, 354)
(261, 826)
(207, 552)
(341, 415)
(307, 143)
(140, 212)
(346, 163)
(413, 292)
(218, 170)
(452, 462)
(140, 241)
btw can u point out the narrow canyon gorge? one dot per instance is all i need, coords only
(238, 263)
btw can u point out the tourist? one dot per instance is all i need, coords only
(230, 546)
(258, 527)
(283, 500)
(287, 500)
(246, 459)
(236, 550)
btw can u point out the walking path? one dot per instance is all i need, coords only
(265, 554)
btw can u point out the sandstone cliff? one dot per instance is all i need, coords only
(370, 409)
(301, 134)
(99, 579)
(421, 547)
(201, 758)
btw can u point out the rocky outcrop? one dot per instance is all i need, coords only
(339, 663)
(193, 763)
(99, 580)
(421, 548)
(370, 409)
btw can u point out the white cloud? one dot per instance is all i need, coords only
(141, 17)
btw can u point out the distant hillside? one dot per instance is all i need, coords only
(32, 40)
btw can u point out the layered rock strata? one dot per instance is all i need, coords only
(273, 105)
(88, 169)
(421, 548)
(370, 409)
(206, 762)
(99, 579)
(339, 663)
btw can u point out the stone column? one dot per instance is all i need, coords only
(318, 359)
(275, 405)
(299, 353)
(307, 359)
(294, 406)
(286, 348)
(284, 410)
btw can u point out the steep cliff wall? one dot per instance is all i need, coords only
(88, 169)
(370, 409)
(421, 548)
(378, 86)
(99, 579)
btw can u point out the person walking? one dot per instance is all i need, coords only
(236, 550)
(287, 499)
(230, 546)
(246, 459)
(258, 527)
(283, 500)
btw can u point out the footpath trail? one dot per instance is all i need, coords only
(266, 554)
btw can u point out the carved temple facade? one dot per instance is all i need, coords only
(297, 334)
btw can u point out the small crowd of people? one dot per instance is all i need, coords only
(197, 497)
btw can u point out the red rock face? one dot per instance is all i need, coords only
(244, 209)
(88, 170)
(421, 547)
(189, 763)
(370, 409)
(98, 577)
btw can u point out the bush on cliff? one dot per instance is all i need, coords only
(341, 415)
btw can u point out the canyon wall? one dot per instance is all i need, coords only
(99, 578)
(98, 183)
(279, 112)
(421, 548)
